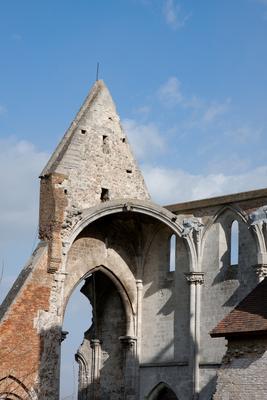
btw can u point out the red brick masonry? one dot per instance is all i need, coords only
(248, 318)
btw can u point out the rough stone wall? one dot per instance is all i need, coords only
(20, 341)
(165, 302)
(244, 370)
(53, 202)
(92, 164)
(224, 284)
(95, 155)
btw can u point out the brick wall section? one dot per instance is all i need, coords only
(20, 344)
(53, 203)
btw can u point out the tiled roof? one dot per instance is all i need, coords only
(248, 318)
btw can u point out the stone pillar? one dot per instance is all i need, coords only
(139, 286)
(195, 279)
(138, 330)
(130, 367)
(95, 345)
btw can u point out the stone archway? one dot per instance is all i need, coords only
(107, 240)
(107, 356)
(162, 392)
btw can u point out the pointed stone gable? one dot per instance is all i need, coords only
(94, 156)
(92, 164)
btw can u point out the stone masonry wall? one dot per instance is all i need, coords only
(244, 370)
(96, 157)
(20, 342)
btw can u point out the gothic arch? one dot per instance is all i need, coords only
(161, 391)
(120, 282)
(11, 388)
(240, 216)
(142, 207)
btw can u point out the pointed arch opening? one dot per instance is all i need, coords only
(234, 243)
(77, 320)
(100, 354)
(100, 351)
(162, 391)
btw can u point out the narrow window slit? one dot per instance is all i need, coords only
(104, 194)
(105, 144)
(172, 253)
(83, 131)
(234, 244)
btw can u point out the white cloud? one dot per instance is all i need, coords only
(20, 165)
(179, 185)
(214, 110)
(173, 14)
(145, 139)
(170, 92)
(144, 110)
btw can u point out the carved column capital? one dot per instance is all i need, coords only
(95, 343)
(191, 225)
(196, 278)
(261, 270)
(258, 216)
(128, 341)
(139, 283)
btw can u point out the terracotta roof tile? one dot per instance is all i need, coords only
(248, 318)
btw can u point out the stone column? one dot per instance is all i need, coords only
(95, 345)
(195, 279)
(139, 286)
(130, 367)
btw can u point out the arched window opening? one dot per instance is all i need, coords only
(98, 345)
(162, 392)
(172, 253)
(234, 243)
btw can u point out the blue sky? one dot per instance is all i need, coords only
(189, 79)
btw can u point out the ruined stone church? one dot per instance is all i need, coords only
(162, 282)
